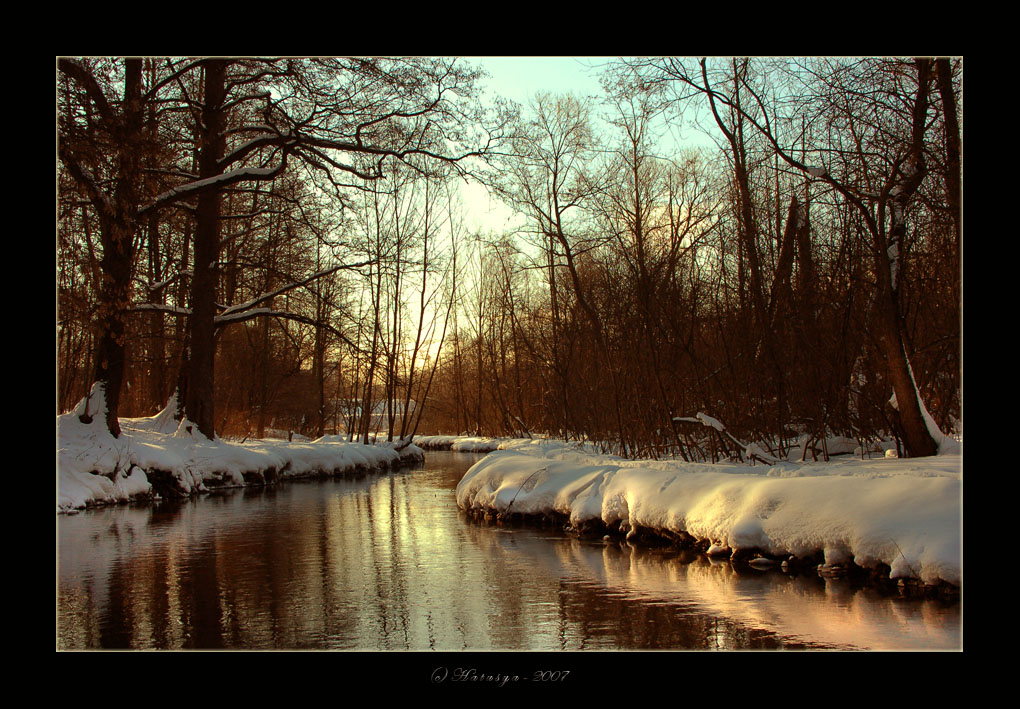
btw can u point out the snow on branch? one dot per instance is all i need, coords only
(161, 308)
(751, 450)
(213, 183)
(223, 320)
(156, 286)
(241, 151)
(241, 308)
(711, 422)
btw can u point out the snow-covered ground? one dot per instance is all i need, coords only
(461, 444)
(484, 444)
(94, 468)
(903, 513)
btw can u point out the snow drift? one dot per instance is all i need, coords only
(901, 513)
(461, 444)
(94, 468)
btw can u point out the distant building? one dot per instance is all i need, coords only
(346, 408)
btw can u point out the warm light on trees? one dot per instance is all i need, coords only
(276, 244)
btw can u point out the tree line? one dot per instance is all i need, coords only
(798, 281)
(256, 244)
(220, 219)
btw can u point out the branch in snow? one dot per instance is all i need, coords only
(754, 451)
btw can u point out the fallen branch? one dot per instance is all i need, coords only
(507, 510)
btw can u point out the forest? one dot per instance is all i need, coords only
(278, 246)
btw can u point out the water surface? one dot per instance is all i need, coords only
(388, 562)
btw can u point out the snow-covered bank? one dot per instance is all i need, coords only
(94, 468)
(900, 514)
(460, 444)
(484, 444)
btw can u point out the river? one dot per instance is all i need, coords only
(388, 562)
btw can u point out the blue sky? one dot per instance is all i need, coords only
(519, 78)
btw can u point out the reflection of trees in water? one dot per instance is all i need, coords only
(220, 571)
(389, 563)
(369, 563)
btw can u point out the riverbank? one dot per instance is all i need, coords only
(157, 458)
(461, 444)
(894, 519)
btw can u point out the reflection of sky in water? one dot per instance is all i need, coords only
(389, 563)
(801, 610)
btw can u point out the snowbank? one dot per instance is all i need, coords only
(461, 444)
(483, 444)
(901, 513)
(94, 468)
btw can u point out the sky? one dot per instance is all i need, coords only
(519, 78)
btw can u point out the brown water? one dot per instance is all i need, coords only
(389, 563)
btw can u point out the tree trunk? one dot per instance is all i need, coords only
(943, 72)
(200, 395)
(117, 231)
(889, 263)
(110, 351)
(157, 347)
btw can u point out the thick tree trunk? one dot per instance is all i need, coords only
(320, 376)
(916, 437)
(158, 386)
(110, 351)
(198, 406)
(889, 264)
(117, 231)
(782, 288)
(157, 342)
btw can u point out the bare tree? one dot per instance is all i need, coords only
(100, 144)
(344, 119)
(877, 166)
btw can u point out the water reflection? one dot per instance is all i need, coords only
(388, 563)
(633, 597)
